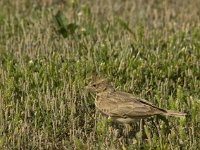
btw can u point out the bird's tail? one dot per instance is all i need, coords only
(174, 113)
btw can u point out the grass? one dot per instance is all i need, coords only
(151, 49)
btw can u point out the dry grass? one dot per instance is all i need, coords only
(150, 48)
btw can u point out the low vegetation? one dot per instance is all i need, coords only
(148, 48)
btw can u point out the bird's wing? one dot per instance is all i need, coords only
(130, 109)
(127, 97)
(126, 105)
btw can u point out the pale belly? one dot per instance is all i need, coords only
(125, 120)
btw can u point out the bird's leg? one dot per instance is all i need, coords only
(127, 129)
(142, 131)
(141, 126)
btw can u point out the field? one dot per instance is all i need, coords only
(148, 48)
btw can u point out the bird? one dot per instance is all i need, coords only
(124, 107)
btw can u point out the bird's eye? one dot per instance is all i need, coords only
(94, 85)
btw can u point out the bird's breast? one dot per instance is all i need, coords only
(124, 120)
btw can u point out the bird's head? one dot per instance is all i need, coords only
(99, 84)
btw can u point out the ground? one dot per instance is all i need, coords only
(148, 48)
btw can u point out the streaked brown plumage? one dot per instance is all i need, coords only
(124, 107)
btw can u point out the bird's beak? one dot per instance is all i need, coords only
(88, 87)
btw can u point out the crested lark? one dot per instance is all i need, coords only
(124, 107)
